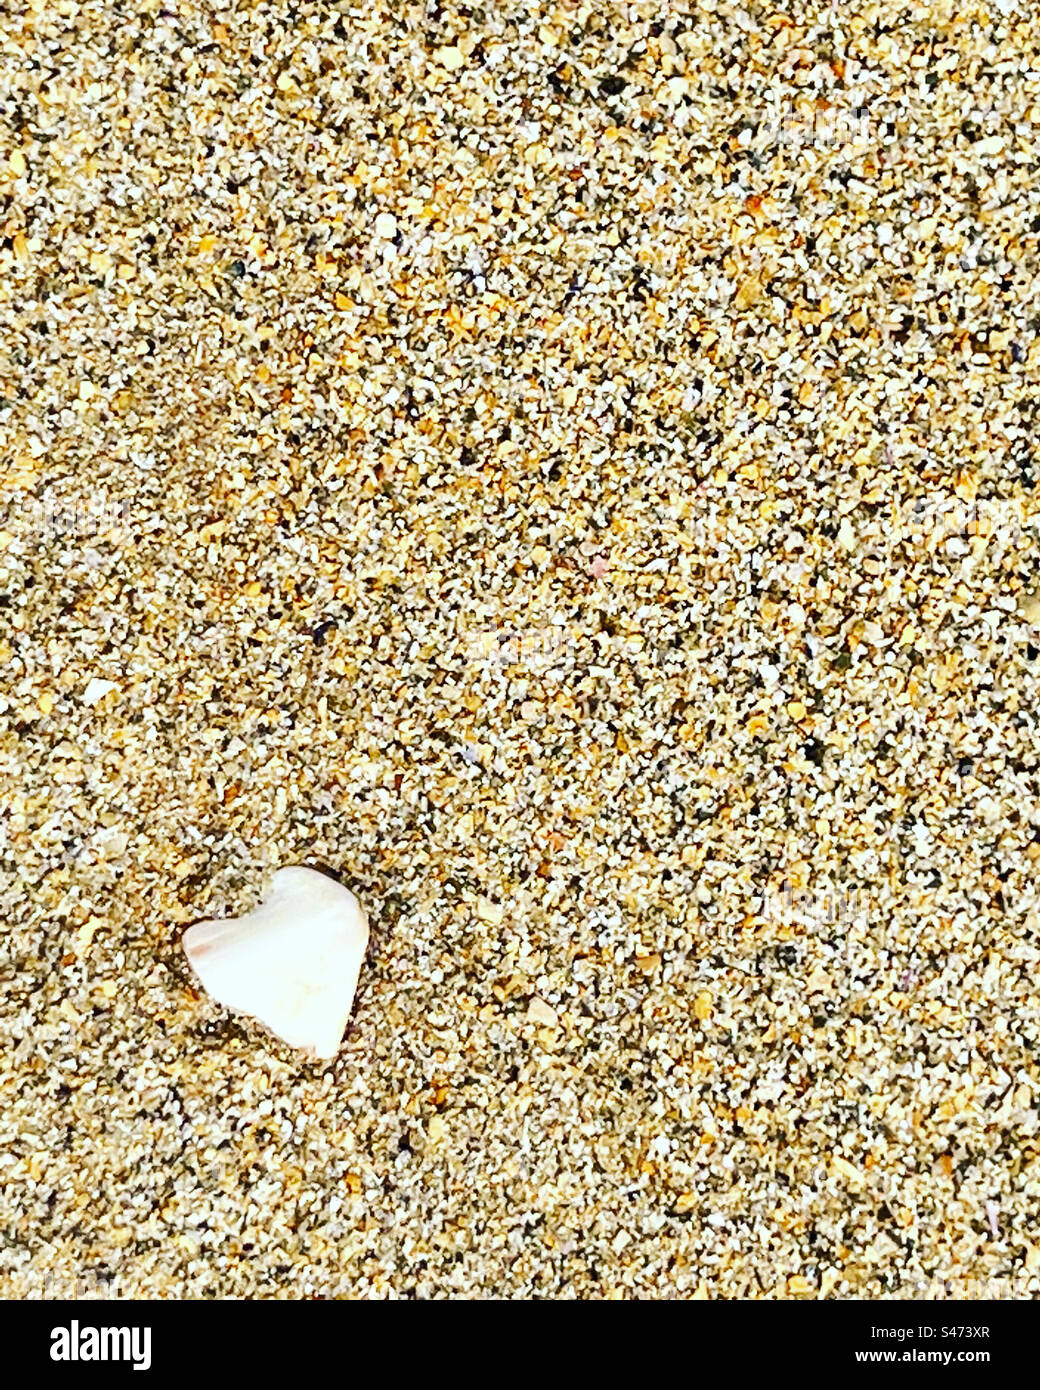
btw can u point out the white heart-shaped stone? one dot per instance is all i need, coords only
(293, 962)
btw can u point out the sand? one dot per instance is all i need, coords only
(568, 471)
